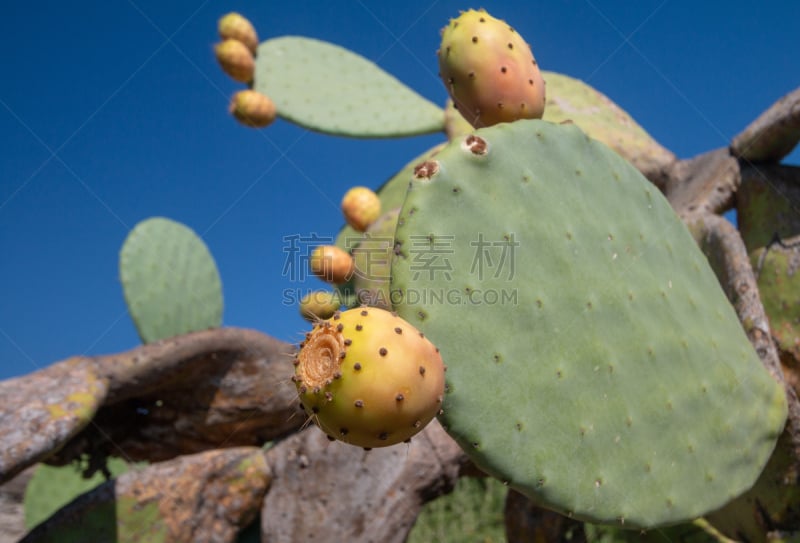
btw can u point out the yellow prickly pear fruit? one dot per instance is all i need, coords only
(251, 108)
(332, 264)
(236, 60)
(234, 26)
(489, 70)
(319, 305)
(369, 378)
(361, 207)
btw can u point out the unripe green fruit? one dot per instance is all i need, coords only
(369, 378)
(234, 26)
(361, 207)
(236, 60)
(319, 305)
(489, 71)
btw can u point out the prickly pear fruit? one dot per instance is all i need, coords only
(332, 264)
(361, 207)
(369, 378)
(489, 70)
(252, 109)
(234, 26)
(236, 60)
(319, 305)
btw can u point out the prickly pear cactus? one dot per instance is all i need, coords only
(369, 378)
(373, 258)
(584, 329)
(489, 70)
(330, 89)
(391, 193)
(169, 279)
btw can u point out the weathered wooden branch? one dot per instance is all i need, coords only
(207, 497)
(773, 134)
(330, 492)
(217, 388)
(703, 184)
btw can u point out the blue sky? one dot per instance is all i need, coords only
(111, 112)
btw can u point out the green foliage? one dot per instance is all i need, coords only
(330, 89)
(52, 487)
(613, 381)
(170, 280)
(473, 512)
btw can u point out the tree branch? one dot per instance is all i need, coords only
(773, 134)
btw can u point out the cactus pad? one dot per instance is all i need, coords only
(170, 280)
(570, 99)
(51, 488)
(595, 362)
(329, 89)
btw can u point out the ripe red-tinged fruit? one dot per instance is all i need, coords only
(369, 378)
(252, 109)
(236, 60)
(489, 71)
(234, 26)
(361, 207)
(332, 264)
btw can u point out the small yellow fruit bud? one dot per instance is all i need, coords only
(319, 305)
(251, 108)
(236, 60)
(332, 264)
(361, 207)
(234, 26)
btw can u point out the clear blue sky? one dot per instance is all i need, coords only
(111, 112)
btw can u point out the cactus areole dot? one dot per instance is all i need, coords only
(364, 383)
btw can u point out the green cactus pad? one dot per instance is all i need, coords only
(51, 488)
(767, 204)
(570, 99)
(700, 532)
(779, 286)
(170, 280)
(373, 258)
(595, 363)
(391, 193)
(329, 89)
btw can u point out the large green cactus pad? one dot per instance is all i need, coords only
(329, 89)
(595, 363)
(170, 280)
(569, 99)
